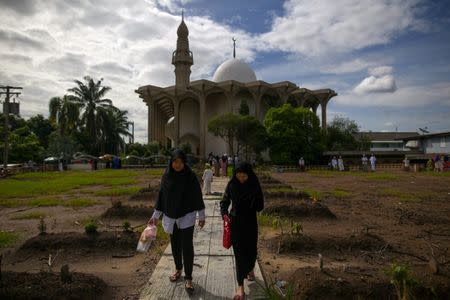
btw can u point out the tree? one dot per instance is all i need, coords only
(225, 126)
(251, 136)
(342, 134)
(244, 110)
(24, 145)
(42, 128)
(113, 126)
(90, 95)
(293, 132)
(64, 113)
(63, 146)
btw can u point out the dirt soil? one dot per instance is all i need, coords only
(109, 256)
(45, 285)
(403, 218)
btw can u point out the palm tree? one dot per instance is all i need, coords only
(114, 127)
(65, 113)
(89, 95)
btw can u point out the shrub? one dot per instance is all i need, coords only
(91, 227)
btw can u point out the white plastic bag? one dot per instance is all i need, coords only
(147, 236)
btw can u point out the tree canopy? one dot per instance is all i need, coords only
(342, 134)
(293, 133)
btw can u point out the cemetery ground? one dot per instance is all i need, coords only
(117, 202)
(367, 227)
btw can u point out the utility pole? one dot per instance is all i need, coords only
(8, 91)
(131, 140)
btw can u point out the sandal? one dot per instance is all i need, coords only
(239, 297)
(189, 288)
(251, 276)
(175, 276)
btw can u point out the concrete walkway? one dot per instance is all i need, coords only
(214, 274)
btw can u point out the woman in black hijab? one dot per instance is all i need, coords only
(244, 194)
(179, 201)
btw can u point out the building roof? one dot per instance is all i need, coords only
(427, 135)
(386, 136)
(234, 69)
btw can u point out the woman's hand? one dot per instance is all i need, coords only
(152, 221)
(201, 223)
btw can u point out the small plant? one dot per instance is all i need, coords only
(66, 276)
(273, 291)
(42, 226)
(296, 228)
(126, 226)
(91, 227)
(276, 223)
(402, 280)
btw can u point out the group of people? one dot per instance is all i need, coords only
(440, 162)
(337, 163)
(180, 203)
(372, 160)
(220, 164)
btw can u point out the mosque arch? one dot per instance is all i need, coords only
(244, 95)
(189, 122)
(216, 104)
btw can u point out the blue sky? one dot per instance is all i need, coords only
(389, 60)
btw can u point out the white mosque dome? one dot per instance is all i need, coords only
(234, 69)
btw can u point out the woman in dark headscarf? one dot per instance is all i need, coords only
(179, 201)
(244, 194)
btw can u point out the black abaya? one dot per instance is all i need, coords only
(246, 200)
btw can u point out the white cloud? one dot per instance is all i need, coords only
(351, 66)
(318, 28)
(381, 71)
(372, 84)
(408, 97)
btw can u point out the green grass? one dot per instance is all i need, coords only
(341, 193)
(382, 176)
(155, 172)
(30, 216)
(265, 220)
(43, 202)
(325, 173)
(51, 183)
(80, 202)
(8, 238)
(404, 196)
(118, 191)
(313, 193)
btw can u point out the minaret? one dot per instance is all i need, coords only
(182, 58)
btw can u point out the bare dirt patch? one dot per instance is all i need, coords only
(393, 217)
(44, 285)
(298, 209)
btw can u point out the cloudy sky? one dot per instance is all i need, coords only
(389, 60)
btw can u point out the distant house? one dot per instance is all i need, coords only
(388, 147)
(429, 144)
(387, 141)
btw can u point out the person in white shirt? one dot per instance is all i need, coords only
(406, 162)
(207, 179)
(373, 161)
(341, 163)
(301, 164)
(334, 163)
(180, 200)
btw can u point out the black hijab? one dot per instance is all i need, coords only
(248, 194)
(180, 192)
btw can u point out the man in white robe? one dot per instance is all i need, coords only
(373, 161)
(207, 179)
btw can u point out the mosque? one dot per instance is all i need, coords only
(180, 113)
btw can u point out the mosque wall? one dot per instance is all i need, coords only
(216, 105)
